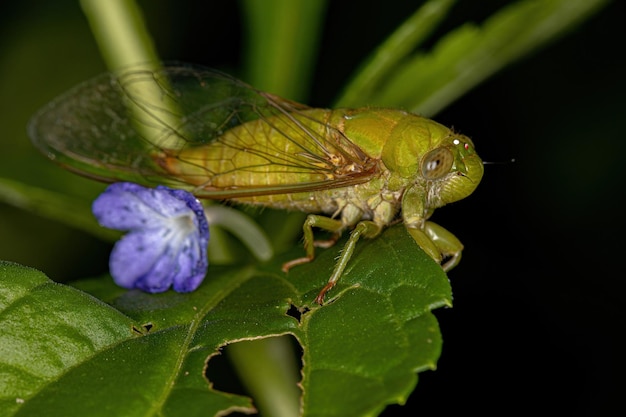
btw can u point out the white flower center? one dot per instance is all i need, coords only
(181, 227)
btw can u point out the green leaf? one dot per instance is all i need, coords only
(361, 349)
(48, 331)
(362, 352)
(398, 46)
(462, 59)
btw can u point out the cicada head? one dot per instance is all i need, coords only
(452, 170)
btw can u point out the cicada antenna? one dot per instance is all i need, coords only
(510, 161)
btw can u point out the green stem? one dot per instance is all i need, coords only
(55, 206)
(124, 42)
(244, 228)
(120, 32)
(282, 39)
(269, 371)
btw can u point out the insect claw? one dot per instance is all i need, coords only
(328, 242)
(295, 262)
(320, 297)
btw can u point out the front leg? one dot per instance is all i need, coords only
(449, 245)
(437, 242)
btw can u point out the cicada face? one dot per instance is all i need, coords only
(451, 171)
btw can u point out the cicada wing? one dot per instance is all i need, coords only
(111, 127)
(120, 127)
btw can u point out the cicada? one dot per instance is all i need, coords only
(201, 130)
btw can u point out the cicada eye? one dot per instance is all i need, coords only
(437, 163)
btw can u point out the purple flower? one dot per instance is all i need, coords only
(167, 240)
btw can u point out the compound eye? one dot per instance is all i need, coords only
(437, 163)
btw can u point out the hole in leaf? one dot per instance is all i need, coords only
(273, 357)
(297, 312)
(142, 330)
(221, 374)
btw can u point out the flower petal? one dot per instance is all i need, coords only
(135, 261)
(192, 266)
(128, 206)
(168, 239)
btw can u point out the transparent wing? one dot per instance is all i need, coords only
(155, 127)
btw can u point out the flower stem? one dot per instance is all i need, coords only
(241, 226)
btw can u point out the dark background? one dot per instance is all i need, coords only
(539, 312)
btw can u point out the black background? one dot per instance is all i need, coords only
(539, 311)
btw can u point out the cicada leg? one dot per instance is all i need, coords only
(314, 220)
(327, 243)
(439, 243)
(365, 228)
(448, 244)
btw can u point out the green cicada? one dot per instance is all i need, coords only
(206, 132)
